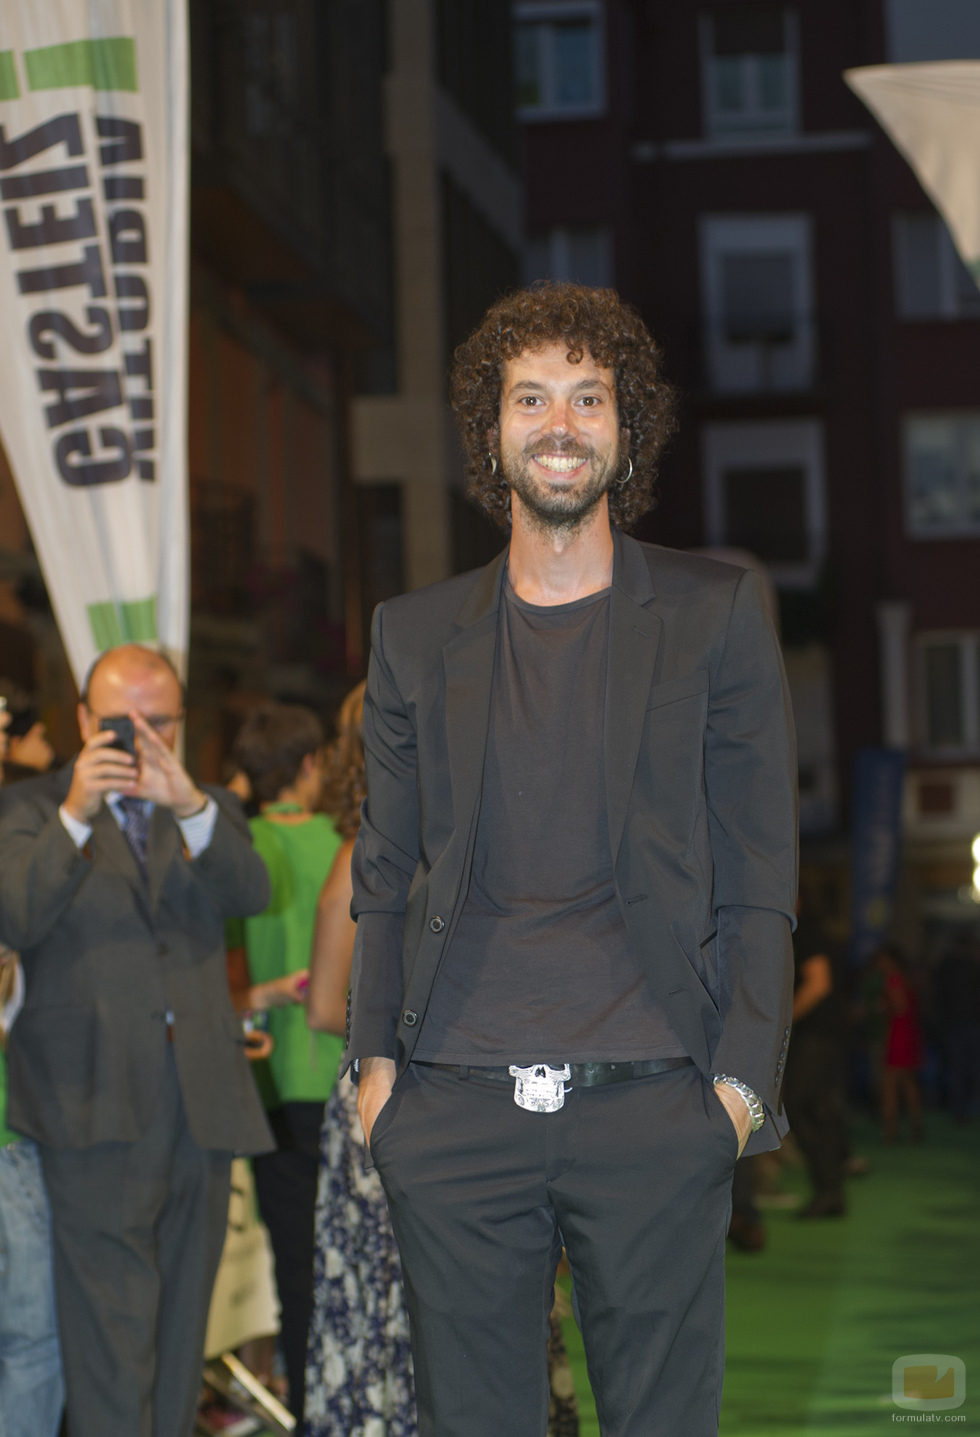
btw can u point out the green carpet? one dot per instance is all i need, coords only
(817, 1319)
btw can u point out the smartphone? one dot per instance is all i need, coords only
(122, 727)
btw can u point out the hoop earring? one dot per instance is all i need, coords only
(622, 483)
(493, 462)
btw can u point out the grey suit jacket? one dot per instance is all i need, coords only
(700, 771)
(106, 955)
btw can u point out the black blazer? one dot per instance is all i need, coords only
(700, 770)
(106, 955)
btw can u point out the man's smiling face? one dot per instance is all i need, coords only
(559, 437)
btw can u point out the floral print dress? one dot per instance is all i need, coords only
(358, 1358)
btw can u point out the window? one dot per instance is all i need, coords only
(748, 69)
(939, 30)
(948, 682)
(581, 255)
(942, 474)
(764, 492)
(757, 302)
(558, 60)
(931, 281)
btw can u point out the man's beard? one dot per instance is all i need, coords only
(556, 508)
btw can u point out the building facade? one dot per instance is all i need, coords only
(354, 207)
(711, 162)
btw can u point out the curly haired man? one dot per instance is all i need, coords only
(574, 886)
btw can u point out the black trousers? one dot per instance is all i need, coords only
(137, 1232)
(634, 1179)
(285, 1186)
(816, 1106)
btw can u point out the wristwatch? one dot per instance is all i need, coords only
(752, 1100)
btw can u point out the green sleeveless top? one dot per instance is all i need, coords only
(303, 1065)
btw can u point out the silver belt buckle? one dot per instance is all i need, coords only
(540, 1088)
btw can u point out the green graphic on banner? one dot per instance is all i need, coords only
(102, 64)
(9, 88)
(133, 622)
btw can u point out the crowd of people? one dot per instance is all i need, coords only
(562, 813)
(883, 1037)
(343, 1341)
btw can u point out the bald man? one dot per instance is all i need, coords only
(127, 1063)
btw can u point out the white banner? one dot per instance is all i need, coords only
(93, 300)
(932, 113)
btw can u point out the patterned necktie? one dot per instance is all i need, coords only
(136, 827)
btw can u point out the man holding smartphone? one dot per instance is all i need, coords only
(126, 1064)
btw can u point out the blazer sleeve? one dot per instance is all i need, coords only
(750, 780)
(385, 857)
(41, 869)
(234, 874)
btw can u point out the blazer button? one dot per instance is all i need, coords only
(410, 1017)
(437, 924)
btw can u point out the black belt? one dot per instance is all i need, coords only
(584, 1075)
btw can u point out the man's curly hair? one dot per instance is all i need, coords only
(589, 321)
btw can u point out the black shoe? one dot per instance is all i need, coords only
(746, 1234)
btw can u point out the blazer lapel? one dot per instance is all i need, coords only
(162, 848)
(163, 845)
(634, 636)
(113, 846)
(468, 660)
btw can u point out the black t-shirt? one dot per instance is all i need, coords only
(540, 967)
(825, 1018)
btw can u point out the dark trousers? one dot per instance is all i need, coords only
(285, 1185)
(815, 1100)
(634, 1179)
(743, 1191)
(137, 1233)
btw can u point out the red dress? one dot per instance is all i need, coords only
(903, 1044)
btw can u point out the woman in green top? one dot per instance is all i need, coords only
(279, 748)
